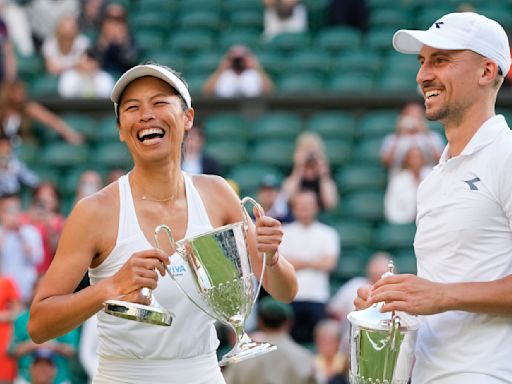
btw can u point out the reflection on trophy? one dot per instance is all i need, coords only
(152, 314)
(381, 345)
(221, 269)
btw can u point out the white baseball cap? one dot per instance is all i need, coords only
(149, 70)
(463, 30)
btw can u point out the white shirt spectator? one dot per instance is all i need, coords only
(73, 83)
(231, 84)
(274, 25)
(66, 61)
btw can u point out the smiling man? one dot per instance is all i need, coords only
(463, 243)
(110, 234)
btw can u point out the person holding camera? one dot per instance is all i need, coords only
(238, 74)
(311, 171)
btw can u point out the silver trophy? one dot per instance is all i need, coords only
(220, 266)
(381, 345)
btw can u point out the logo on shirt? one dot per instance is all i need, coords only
(177, 270)
(472, 183)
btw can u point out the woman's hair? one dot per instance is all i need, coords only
(310, 142)
(7, 90)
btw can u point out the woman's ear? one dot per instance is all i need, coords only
(189, 118)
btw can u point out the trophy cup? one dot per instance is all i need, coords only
(221, 270)
(381, 345)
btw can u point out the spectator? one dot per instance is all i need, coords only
(353, 13)
(13, 173)
(17, 112)
(311, 171)
(89, 182)
(273, 200)
(411, 130)
(42, 369)
(86, 79)
(63, 50)
(44, 15)
(400, 196)
(331, 364)
(21, 246)
(44, 214)
(9, 307)
(290, 363)
(195, 161)
(238, 74)
(115, 45)
(8, 66)
(283, 16)
(90, 15)
(313, 249)
(342, 303)
(18, 26)
(62, 349)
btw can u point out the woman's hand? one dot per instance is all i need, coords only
(269, 234)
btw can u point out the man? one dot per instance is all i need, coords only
(313, 249)
(463, 242)
(290, 363)
(42, 369)
(110, 234)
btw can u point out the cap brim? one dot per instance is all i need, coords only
(149, 70)
(411, 41)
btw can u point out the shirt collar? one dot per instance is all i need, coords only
(482, 137)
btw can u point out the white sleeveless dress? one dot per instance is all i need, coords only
(133, 352)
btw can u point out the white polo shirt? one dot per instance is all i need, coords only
(465, 235)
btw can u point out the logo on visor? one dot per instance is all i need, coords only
(472, 183)
(438, 24)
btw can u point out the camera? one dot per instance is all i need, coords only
(238, 63)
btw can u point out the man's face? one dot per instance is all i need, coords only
(151, 119)
(449, 82)
(42, 372)
(305, 207)
(10, 210)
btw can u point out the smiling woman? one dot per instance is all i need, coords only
(154, 110)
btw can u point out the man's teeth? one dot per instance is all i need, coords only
(429, 94)
(150, 131)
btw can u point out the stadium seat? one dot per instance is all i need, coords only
(154, 20)
(245, 5)
(367, 151)
(393, 80)
(357, 61)
(379, 39)
(226, 126)
(351, 263)
(398, 17)
(332, 125)
(29, 67)
(359, 177)
(354, 234)
(247, 19)
(300, 82)
(338, 39)
(64, 156)
(107, 128)
(272, 61)
(338, 152)
(290, 41)
(196, 82)
(405, 260)
(205, 62)
(377, 124)
(111, 155)
(169, 58)
(227, 152)
(200, 18)
(274, 153)
(164, 6)
(311, 60)
(366, 205)
(279, 125)
(190, 42)
(428, 15)
(84, 124)
(394, 237)
(45, 85)
(27, 152)
(149, 40)
(248, 175)
(248, 37)
(350, 82)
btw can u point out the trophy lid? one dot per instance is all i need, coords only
(373, 318)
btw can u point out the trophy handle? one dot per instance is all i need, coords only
(246, 227)
(173, 244)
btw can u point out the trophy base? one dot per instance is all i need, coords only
(138, 312)
(246, 351)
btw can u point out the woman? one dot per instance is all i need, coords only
(111, 233)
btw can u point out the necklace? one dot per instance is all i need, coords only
(144, 194)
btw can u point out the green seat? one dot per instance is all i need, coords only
(248, 175)
(29, 67)
(243, 5)
(499, 12)
(300, 82)
(171, 59)
(338, 39)
(275, 153)
(190, 42)
(377, 124)
(226, 125)
(279, 125)
(350, 82)
(205, 62)
(359, 177)
(272, 61)
(149, 40)
(246, 18)
(112, 155)
(249, 37)
(164, 6)
(45, 85)
(27, 152)
(400, 63)
(357, 61)
(397, 81)
(63, 155)
(393, 237)
(379, 39)
(84, 124)
(354, 234)
(309, 60)
(196, 82)
(339, 152)
(227, 152)
(352, 263)
(155, 20)
(317, 13)
(368, 151)
(405, 260)
(397, 17)
(367, 205)
(201, 18)
(332, 125)
(291, 41)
